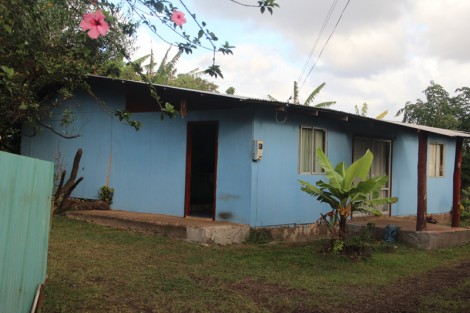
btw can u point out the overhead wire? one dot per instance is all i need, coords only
(320, 33)
(326, 42)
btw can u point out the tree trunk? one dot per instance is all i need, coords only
(342, 228)
(64, 190)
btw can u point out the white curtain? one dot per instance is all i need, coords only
(436, 160)
(310, 140)
(360, 147)
(432, 160)
(306, 146)
(381, 163)
(319, 143)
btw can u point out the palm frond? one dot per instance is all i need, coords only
(296, 93)
(382, 115)
(272, 98)
(314, 93)
(326, 104)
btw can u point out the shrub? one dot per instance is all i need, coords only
(106, 194)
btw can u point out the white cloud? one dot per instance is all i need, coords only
(446, 26)
(367, 51)
(384, 53)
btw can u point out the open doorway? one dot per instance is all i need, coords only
(201, 169)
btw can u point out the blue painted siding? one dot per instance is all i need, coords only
(405, 173)
(440, 189)
(277, 198)
(233, 167)
(147, 168)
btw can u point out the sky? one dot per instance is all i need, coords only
(382, 52)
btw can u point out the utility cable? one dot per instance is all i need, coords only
(320, 33)
(321, 52)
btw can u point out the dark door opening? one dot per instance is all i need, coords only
(201, 169)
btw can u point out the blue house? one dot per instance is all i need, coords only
(239, 159)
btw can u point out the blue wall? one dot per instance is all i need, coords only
(405, 173)
(147, 167)
(277, 198)
(440, 189)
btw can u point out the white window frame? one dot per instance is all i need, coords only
(313, 155)
(437, 154)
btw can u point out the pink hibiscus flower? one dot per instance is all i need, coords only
(178, 18)
(95, 24)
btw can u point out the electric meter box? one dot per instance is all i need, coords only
(257, 150)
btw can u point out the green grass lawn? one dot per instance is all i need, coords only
(99, 269)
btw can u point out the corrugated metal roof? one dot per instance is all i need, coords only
(435, 130)
(303, 108)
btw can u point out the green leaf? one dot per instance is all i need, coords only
(8, 71)
(340, 169)
(334, 178)
(7, 28)
(320, 194)
(326, 104)
(379, 201)
(314, 93)
(359, 169)
(370, 185)
(214, 71)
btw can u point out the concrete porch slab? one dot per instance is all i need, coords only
(197, 230)
(435, 236)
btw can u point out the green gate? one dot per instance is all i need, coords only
(25, 206)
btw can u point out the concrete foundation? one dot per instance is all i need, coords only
(197, 230)
(296, 233)
(435, 236)
(206, 231)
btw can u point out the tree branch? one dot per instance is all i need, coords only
(56, 132)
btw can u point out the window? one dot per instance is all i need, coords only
(309, 140)
(436, 160)
(381, 165)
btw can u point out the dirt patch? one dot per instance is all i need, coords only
(405, 295)
(409, 294)
(275, 297)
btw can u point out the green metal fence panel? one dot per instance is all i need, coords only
(25, 206)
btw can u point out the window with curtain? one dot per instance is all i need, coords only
(436, 160)
(309, 140)
(381, 164)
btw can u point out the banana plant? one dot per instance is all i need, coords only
(347, 190)
(310, 98)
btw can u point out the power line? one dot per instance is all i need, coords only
(321, 52)
(320, 33)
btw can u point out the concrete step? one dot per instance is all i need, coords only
(435, 236)
(197, 230)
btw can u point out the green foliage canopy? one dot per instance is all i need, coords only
(442, 110)
(43, 52)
